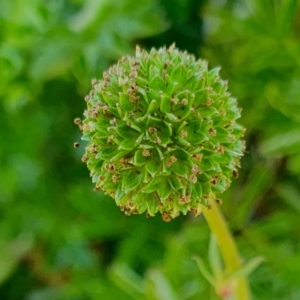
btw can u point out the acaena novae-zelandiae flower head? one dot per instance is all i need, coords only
(161, 133)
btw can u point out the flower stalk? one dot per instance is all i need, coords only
(227, 246)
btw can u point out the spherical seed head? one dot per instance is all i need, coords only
(162, 133)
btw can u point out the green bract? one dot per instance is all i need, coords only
(162, 133)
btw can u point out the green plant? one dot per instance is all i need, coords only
(161, 133)
(162, 137)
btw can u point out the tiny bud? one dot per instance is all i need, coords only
(95, 115)
(184, 102)
(212, 131)
(109, 167)
(157, 140)
(198, 157)
(115, 178)
(221, 149)
(175, 101)
(172, 47)
(215, 180)
(219, 201)
(146, 153)
(77, 121)
(235, 174)
(113, 121)
(152, 130)
(183, 133)
(193, 178)
(196, 170)
(166, 217)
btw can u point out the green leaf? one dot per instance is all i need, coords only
(158, 287)
(164, 131)
(11, 253)
(175, 182)
(213, 75)
(131, 180)
(179, 74)
(180, 169)
(204, 270)
(248, 268)
(127, 144)
(152, 106)
(152, 185)
(139, 160)
(127, 280)
(284, 143)
(153, 166)
(215, 260)
(127, 132)
(196, 190)
(157, 83)
(164, 189)
(165, 104)
(195, 134)
(125, 104)
(152, 204)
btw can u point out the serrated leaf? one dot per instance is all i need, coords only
(127, 132)
(165, 104)
(213, 75)
(153, 166)
(196, 190)
(157, 83)
(106, 152)
(207, 111)
(171, 117)
(152, 204)
(175, 182)
(151, 186)
(163, 131)
(194, 132)
(180, 169)
(179, 74)
(139, 159)
(131, 180)
(125, 104)
(153, 72)
(206, 165)
(164, 189)
(110, 99)
(127, 144)
(182, 156)
(152, 106)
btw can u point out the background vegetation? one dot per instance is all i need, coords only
(61, 240)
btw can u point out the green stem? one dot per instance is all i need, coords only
(227, 247)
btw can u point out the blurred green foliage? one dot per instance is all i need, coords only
(61, 240)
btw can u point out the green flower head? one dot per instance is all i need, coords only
(162, 133)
